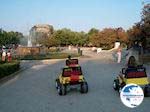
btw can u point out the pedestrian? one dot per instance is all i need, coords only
(4, 56)
(9, 58)
(119, 52)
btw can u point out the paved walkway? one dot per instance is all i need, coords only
(33, 90)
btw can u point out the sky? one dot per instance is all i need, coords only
(77, 15)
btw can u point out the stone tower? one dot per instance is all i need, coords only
(39, 31)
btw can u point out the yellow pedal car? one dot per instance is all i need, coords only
(71, 77)
(132, 75)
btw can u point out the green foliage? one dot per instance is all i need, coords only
(62, 55)
(9, 68)
(124, 45)
(48, 41)
(64, 37)
(7, 38)
(105, 38)
(52, 55)
(140, 32)
(93, 31)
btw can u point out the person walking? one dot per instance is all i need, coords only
(119, 51)
(4, 56)
(9, 58)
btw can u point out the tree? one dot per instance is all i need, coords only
(93, 31)
(141, 31)
(134, 34)
(94, 40)
(121, 35)
(8, 38)
(64, 36)
(107, 37)
(68, 37)
(145, 26)
(92, 36)
(80, 39)
(48, 41)
(145, 18)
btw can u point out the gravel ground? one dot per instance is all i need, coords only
(33, 90)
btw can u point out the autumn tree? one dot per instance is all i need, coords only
(121, 35)
(145, 26)
(140, 32)
(93, 37)
(107, 37)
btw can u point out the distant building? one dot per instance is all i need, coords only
(39, 31)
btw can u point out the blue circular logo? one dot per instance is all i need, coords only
(132, 95)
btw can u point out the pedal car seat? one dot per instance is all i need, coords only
(136, 75)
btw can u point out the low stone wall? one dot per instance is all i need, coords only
(28, 50)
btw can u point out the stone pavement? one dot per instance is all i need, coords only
(33, 90)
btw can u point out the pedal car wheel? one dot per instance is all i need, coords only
(56, 83)
(121, 86)
(84, 87)
(145, 91)
(119, 90)
(62, 89)
(116, 84)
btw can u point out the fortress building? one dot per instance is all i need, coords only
(39, 31)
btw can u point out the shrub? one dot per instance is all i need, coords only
(9, 68)
(53, 55)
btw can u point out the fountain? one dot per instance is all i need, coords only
(29, 49)
(29, 41)
(35, 32)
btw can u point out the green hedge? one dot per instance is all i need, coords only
(9, 68)
(54, 55)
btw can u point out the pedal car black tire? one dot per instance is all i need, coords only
(84, 87)
(121, 86)
(57, 83)
(116, 84)
(145, 92)
(62, 89)
(119, 89)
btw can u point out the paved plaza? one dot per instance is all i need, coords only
(33, 89)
